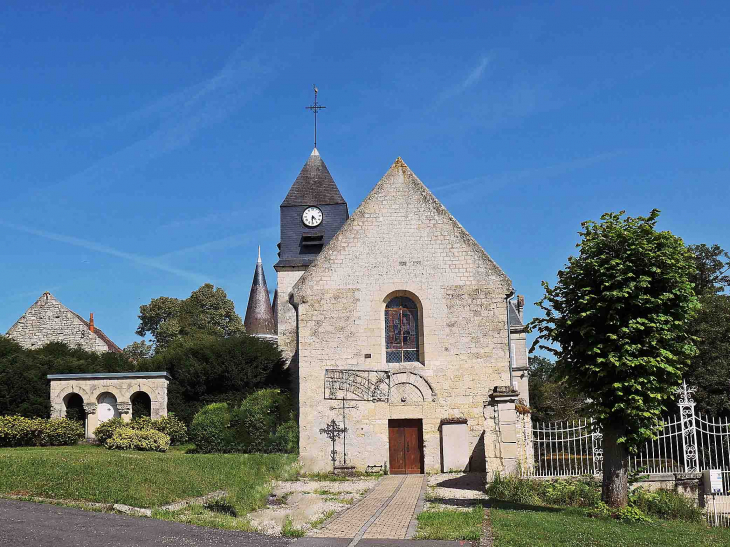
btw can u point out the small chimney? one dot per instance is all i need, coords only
(520, 305)
(91, 322)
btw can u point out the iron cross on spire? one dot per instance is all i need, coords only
(315, 108)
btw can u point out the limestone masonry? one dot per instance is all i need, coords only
(402, 318)
(50, 321)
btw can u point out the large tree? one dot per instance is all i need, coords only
(709, 371)
(206, 368)
(713, 269)
(206, 310)
(618, 323)
(551, 399)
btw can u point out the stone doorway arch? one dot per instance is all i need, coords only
(141, 405)
(106, 408)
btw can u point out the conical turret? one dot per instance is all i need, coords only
(259, 315)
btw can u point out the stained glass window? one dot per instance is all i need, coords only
(401, 330)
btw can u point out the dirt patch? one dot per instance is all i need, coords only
(305, 504)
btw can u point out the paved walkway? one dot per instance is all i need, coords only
(388, 512)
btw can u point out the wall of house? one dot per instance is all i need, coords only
(401, 241)
(50, 321)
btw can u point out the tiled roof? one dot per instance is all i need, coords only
(314, 185)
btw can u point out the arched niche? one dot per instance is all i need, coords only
(106, 407)
(409, 388)
(141, 404)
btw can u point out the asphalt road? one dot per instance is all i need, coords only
(26, 524)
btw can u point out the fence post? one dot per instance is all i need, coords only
(597, 439)
(689, 429)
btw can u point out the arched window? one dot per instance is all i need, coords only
(401, 330)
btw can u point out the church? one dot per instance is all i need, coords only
(405, 343)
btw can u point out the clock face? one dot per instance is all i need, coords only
(312, 216)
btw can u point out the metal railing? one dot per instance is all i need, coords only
(685, 443)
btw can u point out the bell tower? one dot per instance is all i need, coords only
(311, 214)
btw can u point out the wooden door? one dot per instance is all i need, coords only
(405, 446)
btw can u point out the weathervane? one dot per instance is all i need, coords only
(315, 108)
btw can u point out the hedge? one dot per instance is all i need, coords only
(126, 438)
(169, 425)
(20, 431)
(264, 423)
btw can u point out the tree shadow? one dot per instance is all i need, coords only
(513, 506)
(469, 481)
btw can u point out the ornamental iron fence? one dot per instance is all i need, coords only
(684, 443)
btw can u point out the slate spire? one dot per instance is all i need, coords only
(314, 185)
(259, 315)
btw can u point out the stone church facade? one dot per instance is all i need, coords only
(395, 323)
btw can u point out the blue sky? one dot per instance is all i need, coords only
(145, 146)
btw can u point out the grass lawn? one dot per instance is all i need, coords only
(450, 524)
(141, 479)
(529, 526)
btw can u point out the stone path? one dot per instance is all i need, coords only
(388, 512)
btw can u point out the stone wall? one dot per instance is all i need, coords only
(401, 241)
(286, 277)
(123, 387)
(50, 321)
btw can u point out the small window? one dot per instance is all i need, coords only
(401, 330)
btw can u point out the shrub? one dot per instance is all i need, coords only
(20, 431)
(573, 493)
(514, 489)
(286, 438)
(258, 418)
(126, 438)
(665, 504)
(169, 425)
(209, 430)
(105, 430)
(61, 432)
(263, 423)
(173, 428)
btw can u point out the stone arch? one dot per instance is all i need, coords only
(145, 388)
(420, 322)
(107, 406)
(73, 407)
(412, 387)
(141, 404)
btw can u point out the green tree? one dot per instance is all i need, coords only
(713, 274)
(206, 368)
(709, 371)
(618, 323)
(24, 388)
(551, 399)
(208, 309)
(138, 351)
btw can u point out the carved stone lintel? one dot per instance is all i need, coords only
(124, 408)
(90, 408)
